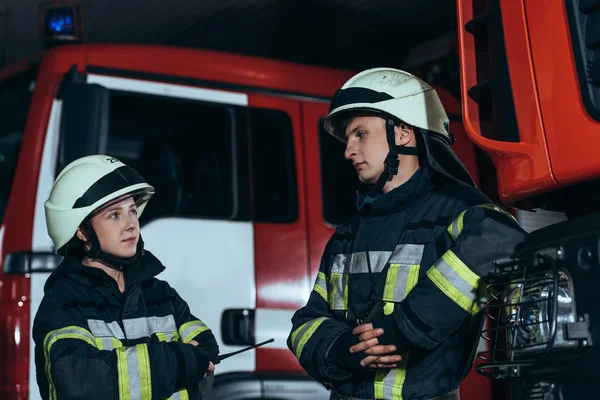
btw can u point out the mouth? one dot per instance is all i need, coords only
(358, 165)
(130, 240)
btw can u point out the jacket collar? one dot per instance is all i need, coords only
(147, 267)
(416, 187)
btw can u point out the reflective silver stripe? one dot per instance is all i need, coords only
(176, 396)
(457, 281)
(191, 329)
(321, 285)
(100, 328)
(136, 328)
(134, 372)
(408, 254)
(404, 254)
(108, 343)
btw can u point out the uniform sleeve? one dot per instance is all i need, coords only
(451, 290)
(314, 332)
(70, 364)
(192, 328)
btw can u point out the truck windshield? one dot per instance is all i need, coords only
(15, 99)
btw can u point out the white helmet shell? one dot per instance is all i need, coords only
(390, 91)
(85, 185)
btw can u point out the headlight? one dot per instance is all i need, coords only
(536, 316)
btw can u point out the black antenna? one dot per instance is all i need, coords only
(227, 355)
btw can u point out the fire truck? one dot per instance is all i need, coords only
(530, 77)
(248, 190)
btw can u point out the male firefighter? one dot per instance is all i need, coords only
(395, 309)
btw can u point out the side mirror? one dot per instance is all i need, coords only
(84, 119)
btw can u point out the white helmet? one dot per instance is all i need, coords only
(393, 92)
(85, 185)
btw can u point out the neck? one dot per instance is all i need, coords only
(111, 271)
(408, 166)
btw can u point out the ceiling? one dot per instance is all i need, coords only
(349, 34)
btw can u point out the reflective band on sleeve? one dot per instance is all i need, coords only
(456, 228)
(133, 364)
(191, 329)
(321, 285)
(301, 335)
(68, 332)
(389, 383)
(457, 281)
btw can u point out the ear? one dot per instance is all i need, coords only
(81, 235)
(404, 134)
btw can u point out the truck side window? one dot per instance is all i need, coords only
(15, 99)
(274, 193)
(188, 150)
(338, 179)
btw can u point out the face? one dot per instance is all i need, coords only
(117, 228)
(367, 147)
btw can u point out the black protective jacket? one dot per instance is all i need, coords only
(422, 252)
(94, 342)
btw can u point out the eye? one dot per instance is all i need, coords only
(360, 134)
(133, 212)
(114, 215)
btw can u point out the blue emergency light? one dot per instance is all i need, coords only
(59, 22)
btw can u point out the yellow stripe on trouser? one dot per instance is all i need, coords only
(191, 329)
(133, 365)
(68, 332)
(389, 384)
(457, 281)
(301, 335)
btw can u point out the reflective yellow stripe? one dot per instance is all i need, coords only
(321, 285)
(338, 293)
(457, 281)
(68, 332)
(144, 366)
(456, 227)
(396, 291)
(162, 337)
(191, 329)
(301, 335)
(181, 395)
(389, 383)
(123, 373)
(99, 343)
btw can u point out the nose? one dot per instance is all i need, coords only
(350, 149)
(131, 223)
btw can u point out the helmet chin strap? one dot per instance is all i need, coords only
(111, 261)
(391, 163)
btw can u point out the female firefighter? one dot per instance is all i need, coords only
(106, 327)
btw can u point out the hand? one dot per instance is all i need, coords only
(211, 368)
(380, 356)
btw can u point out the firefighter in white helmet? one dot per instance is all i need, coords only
(107, 327)
(394, 312)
